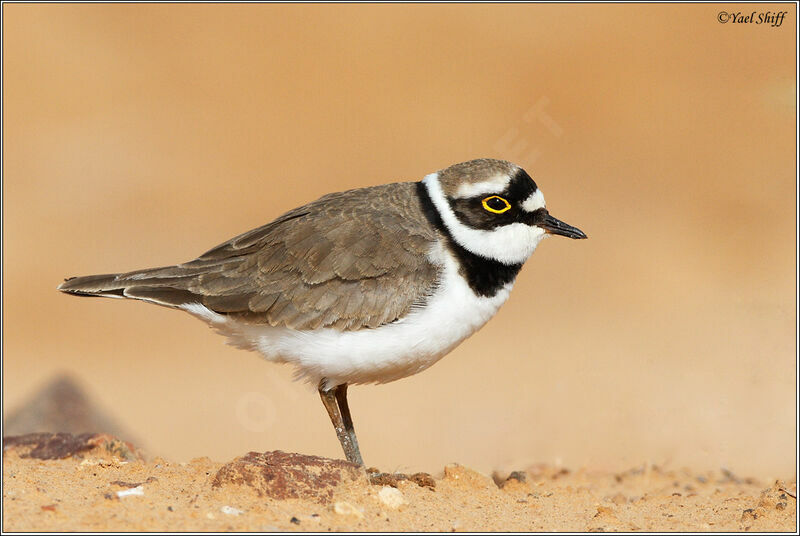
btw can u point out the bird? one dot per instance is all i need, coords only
(364, 286)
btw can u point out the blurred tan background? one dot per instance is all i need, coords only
(142, 135)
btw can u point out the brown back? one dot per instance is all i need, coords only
(350, 260)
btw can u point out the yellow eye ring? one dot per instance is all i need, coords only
(497, 208)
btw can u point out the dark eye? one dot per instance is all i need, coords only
(496, 204)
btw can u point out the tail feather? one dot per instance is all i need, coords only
(93, 285)
(156, 288)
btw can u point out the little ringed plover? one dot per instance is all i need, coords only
(364, 286)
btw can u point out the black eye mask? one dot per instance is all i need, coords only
(471, 212)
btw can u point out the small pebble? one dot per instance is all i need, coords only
(231, 511)
(346, 509)
(294, 520)
(138, 490)
(391, 497)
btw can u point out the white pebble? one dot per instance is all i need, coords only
(346, 509)
(138, 490)
(231, 511)
(391, 497)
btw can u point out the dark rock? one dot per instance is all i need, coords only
(423, 480)
(749, 513)
(47, 446)
(44, 446)
(283, 475)
(386, 479)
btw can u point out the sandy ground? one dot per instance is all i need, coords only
(97, 483)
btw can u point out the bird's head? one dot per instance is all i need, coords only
(494, 209)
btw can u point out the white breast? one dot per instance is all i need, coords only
(377, 355)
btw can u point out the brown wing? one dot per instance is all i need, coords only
(349, 260)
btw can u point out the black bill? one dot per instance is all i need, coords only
(553, 226)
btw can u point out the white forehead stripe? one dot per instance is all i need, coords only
(509, 244)
(495, 185)
(534, 202)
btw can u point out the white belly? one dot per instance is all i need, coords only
(377, 355)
